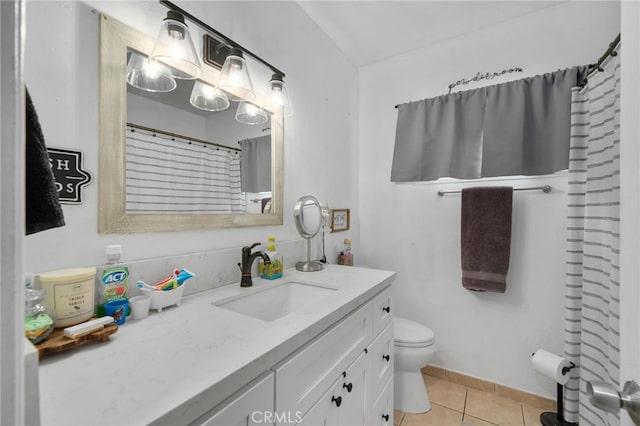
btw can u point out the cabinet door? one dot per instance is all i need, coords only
(325, 411)
(382, 411)
(307, 375)
(253, 406)
(355, 387)
(347, 402)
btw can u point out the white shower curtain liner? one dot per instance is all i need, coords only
(592, 308)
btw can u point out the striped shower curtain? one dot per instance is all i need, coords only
(592, 311)
(169, 174)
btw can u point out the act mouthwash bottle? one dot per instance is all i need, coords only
(111, 280)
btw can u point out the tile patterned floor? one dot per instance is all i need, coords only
(455, 405)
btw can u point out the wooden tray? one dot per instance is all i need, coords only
(57, 342)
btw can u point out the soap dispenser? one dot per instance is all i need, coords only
(274, 269)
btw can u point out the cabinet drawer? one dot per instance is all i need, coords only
(309, 373)
(382, 359)
(382, 411)
(383, 310)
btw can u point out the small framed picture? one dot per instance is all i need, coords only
(340, 219)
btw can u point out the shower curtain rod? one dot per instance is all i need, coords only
(186, 138)
(592, 68)
(545, 188)
(596, 67)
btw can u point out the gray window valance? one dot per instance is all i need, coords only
(515, 128)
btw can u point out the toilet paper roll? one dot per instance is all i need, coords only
(551, 365)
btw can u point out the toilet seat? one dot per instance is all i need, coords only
(410, 334)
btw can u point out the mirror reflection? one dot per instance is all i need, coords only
(182, 158)
(169, 166)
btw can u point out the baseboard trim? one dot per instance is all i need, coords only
(487, 386)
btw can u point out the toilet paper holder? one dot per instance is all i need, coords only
(606, 397)
(557, 419)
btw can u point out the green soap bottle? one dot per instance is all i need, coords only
(274, 270)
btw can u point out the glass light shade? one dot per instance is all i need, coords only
(149, 76)
(234, 77)
(248, 113)
(208, 98)
(278, 100)
(174, 48)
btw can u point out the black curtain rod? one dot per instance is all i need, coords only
(179, 136)
(596, 67)
(226, 39)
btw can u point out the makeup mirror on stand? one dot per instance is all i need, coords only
(308, 217)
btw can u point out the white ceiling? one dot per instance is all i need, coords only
(370, 31)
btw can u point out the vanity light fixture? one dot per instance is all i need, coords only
(208, 98)
(278, 100)
(149, 76)
(234, 82)
(174, 48)
(249, 113)
(234, 77)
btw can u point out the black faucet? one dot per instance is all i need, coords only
(247, 261)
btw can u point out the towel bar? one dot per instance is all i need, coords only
(546, 189)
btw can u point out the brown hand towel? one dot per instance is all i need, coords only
(486, 237)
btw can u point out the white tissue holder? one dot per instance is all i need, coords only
(161, 299)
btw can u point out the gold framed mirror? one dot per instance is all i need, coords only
(116, 39)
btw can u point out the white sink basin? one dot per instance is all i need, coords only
(275, 301)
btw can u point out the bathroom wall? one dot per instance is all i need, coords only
(61, 72)
(409, 229)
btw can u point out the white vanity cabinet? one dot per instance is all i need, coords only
(382, 359)
(337, 378)
(308, 374)
(252, 405)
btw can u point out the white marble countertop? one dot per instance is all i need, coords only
(187, 359)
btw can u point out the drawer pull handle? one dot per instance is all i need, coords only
(385, 417)
(386, 357)
(387, 309)
(348, 386)
(337, 400)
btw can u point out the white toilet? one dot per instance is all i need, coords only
(414, 347)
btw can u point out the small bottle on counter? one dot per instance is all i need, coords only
(112, 280)
(346, 257)
(274, 269)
